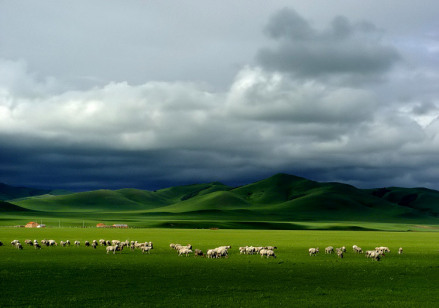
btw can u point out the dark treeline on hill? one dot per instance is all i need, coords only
(281, 197)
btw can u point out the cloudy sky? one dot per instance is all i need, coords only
(151, 94)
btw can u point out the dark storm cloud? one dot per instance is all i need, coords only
(344, 48)
(89, 97)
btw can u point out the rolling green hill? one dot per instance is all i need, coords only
(280, 198)
(8, 192)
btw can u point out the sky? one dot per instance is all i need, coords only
(151, 94)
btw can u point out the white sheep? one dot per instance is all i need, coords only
(221, 252)
(340, 253)
(184, 251)
(242, 250)
(112, 248)
(400, 251)
(329, 249)
(52, 243)
(250, 250)
(313, 251)
(14, 242)
(77, 243)
(267, 252)
(211, 254)
(146, 249)
(115, 242)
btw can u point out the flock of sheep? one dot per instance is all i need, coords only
(223, 251)
(111, 246)
(219, 252)
(375, 254)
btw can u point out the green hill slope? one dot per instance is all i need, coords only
(421, 199)
(218, 201)
(9, 207)
(281, 197)
(8, 192)
(117, 201)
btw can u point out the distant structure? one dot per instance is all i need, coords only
(102, 225)
(33, 224)
(120, 226)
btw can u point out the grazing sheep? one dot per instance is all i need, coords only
(267, 252)
(1, 243)
(270, 253)
(37, 246)
(258, 249)
(184, 251)
(383, 249)
(87, 244)
(52, 243)
(340, 254)
(19, 246)
(146, 249)
(329, 250)
(250, 250)
(62, 243)
(172, 246)
(108, 243)
(68, 243)
(354, 247)
(242, 250)
(102, 242)
(115, 242)
(28, 242)
(77, 243)
(198, 252)
(343, 249)
(112, 248)
(14, 242)
(221, 252)
(94, 245)
(400, 251)
(271, 247)
(313, 251)
(358, 249)
(211, 254)
(375, 255)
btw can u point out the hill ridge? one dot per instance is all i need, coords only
(279, 197)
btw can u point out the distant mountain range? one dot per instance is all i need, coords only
(281, 197)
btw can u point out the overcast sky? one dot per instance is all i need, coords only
(151, 94)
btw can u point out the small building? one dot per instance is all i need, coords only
(32, 224)
(120, 226)
(101, 225)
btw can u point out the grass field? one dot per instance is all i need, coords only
(80, 276)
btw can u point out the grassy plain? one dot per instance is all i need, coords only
(80, 276)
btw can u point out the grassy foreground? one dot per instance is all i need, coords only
(80, 276)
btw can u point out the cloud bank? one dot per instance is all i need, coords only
(330, 104)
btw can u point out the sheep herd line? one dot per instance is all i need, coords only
(114, 246)
(375, 254)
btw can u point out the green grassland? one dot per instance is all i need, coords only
(81, 276)
(279, 202)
